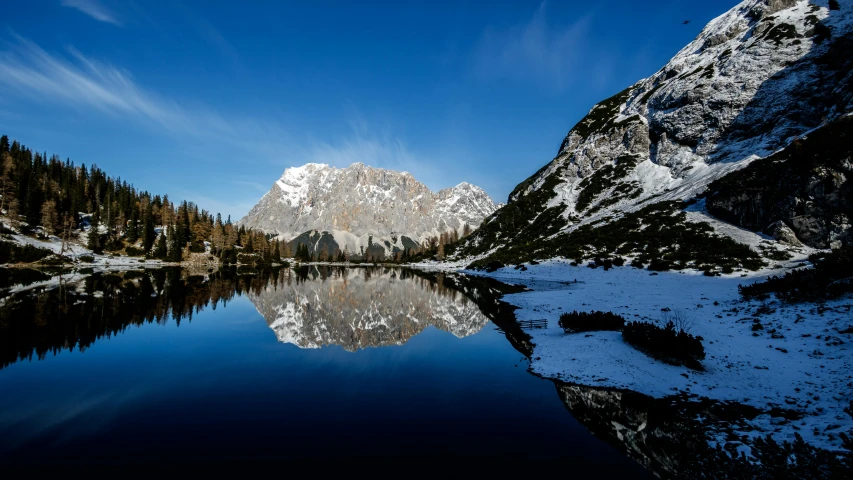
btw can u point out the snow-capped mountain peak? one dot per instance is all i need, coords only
(361, 205)
(756, 78)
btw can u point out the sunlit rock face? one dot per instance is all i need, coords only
(359, 308)
(754, 80)
(359, 206)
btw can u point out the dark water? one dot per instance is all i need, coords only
(324, 366)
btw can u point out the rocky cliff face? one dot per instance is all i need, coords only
(754, 79)
(360, 206)
(804, 193)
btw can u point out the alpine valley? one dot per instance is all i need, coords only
(670, 295)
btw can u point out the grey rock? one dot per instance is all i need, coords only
(783, 233)
(738, 92)
(361, 204)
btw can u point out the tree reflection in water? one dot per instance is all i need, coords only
(42, 314)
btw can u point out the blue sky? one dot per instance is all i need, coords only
(211, 100)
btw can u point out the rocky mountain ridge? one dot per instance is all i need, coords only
(755, 79)
(357, 207)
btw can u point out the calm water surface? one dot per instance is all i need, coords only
(162, 367)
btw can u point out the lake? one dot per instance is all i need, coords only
(254, 369)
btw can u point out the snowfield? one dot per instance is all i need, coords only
(799, 360)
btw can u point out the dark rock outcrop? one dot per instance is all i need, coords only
(807, 187)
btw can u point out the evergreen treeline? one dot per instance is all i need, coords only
(62, 198)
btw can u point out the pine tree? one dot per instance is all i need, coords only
(176, 247)
(95, 220)
(133, 229)
(148, 233)
(49, 217)
(161, 251)
(276, 253)
(94, 243)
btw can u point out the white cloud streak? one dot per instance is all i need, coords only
(94, 9)
(74, 80)
(538, 52)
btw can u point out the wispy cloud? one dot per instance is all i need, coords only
(76, 80)
(94, 9)
(548, 55)
(214, 37)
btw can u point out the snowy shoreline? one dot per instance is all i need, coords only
(798, 361)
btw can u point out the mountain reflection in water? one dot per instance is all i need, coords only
(366, 307)
(309, 306)
(170, 380)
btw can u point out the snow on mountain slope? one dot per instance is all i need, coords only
(361, 204)
(756, 78)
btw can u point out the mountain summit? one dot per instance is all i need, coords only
(360, 206)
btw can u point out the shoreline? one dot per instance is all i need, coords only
(776, 373)
(793, 370)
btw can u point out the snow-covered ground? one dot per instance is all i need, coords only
(74, 251)
(799, 360)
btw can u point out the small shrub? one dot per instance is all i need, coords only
(591, 321)
(228, 257)
(250, 259)
(113, 245)
(667, 344)
(831, 277)
(678, 318)
(605, 263)
(14, 253)
(86, 258)
(134, 252)
(659, 265)
(492, 266)
(658, 233)
(54, 260)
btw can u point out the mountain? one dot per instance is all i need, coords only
(362, 308)
(360, 206)
(758, 79)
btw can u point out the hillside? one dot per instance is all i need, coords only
(755, 79)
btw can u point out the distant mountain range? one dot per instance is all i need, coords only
(360, 208)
